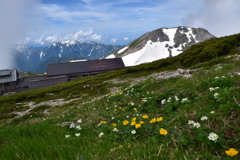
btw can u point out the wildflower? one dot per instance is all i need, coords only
(133, 123)
(196, 125)
(102, 122)
(101, 134)
(191, 122)
(159, 119)
(114, 124)
(133, 131)
(115, 109)
(169, 99)
(212, 112)
(134, 119)
(204, 118)
(223, 77)
(77, 134)
(145, 116)
(213, 137)
(137, 125)
(72, 125)
(120, 108)
(127, 116)
(163, 101)
(153, 120)
(176, 98)
(141, 122)
(78, 127)
(79, 121)
(184, 100)
(125, 122)
(113, 117)
(216, 77)
(211, 89)
(163, 131)
(67, 136)
(216, 95)
(115, 130)
(144, 100)
(231, 152)
(134, 109)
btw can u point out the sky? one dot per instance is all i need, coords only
(42, 22)
(121, 21)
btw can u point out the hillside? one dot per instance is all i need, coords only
(151, 111)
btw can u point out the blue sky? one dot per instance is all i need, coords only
(121, 21)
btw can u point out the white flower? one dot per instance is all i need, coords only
(217, 88)
(184, 100)
(190, 122)
(223, 77)
(79, 121)
(216, 95)
(163, 101)
(77, 134)
(78, 127)
(127, 116)
(72, 125)
(204, 118)
(216, 77)
(101, 134)
(213, 137)
(113, 117)
(176, 98)
(115, 130)
(169, 99)
(67, 136)
(212, 112)
(133, 131)
(196, 125)
(211, 89)
(107, 108)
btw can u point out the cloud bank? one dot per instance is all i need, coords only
(220, 17)
(14, 16)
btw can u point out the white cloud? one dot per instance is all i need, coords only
(14, 16)
(114, 40)
(125, 39)
(62, 13)
(220, 17)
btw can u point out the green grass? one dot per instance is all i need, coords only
(40, 136)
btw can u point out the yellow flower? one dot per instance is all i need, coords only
(134, 109)
(138, 125)
(125, 122)
(163, 131)
(141, 122)
(159, 119)
(134, 119)
(145, 116)
(120, 108)
(231, 152)
(133, 123)
(140, 106)
(115, 109)
(114, 124)
(153, 120)
(102, 122)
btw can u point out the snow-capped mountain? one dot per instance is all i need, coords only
(36, 59)
(161, 43)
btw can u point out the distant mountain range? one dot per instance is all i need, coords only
(158, 44)
(161, 43)
(35, 59)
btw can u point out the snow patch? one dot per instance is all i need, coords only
(123, 49)
(111, 56)
(79, 60)
(42, 54)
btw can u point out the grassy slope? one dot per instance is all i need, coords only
(37, 136)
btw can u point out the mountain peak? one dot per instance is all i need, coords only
(162, 43)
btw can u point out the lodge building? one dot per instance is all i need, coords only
(11, 82)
